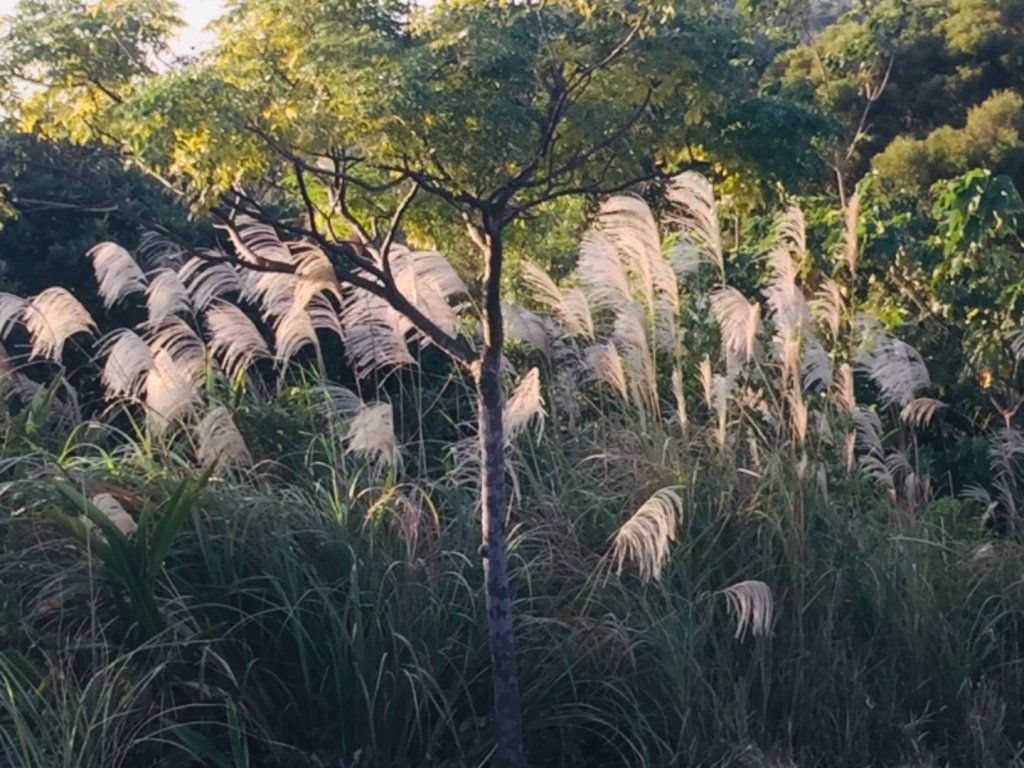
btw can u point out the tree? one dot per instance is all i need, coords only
(992, 138)
(65, 198)
(355, 123)
(361, 119)
(63, 62)
(902, 76)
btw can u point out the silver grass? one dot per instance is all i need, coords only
(630, 337)
(868, 427)
(527, 328)
(849, 449)
(707, 381)
(570, 307)
(233, 338)
(428, 281)
(575, 315)
(324, 316)
(815, 365)
(273, 292)
(370, 347)
(828, 305)
(1016, 339)
(166, 295)
(11, 308)
(604, 364)
(888, 470)
(1006, 491)
(115, 513)
(156, 252)
(666, 283)
(797, 408)
(750, 399)
(601, 273)
(683, 256)
(128, 360)
(843, 388)
(921, 410)
(721, 390)
(170, 392)
(896, 367)
(184, 347)
(982, 496)
(315, 274)
(117, 273)
(373, 334)
(822, 427)
(6, 364)
(542, 287)
(433, 272)
(372, 433)
(791, 233)
(51, 318)
(257, 242)
(1006, 445)
(464, 457)
(917, 490)
(739, 321)
(628, 224)
(850, 241)
(677, 392)
(333, 399)
(666, 326)
(787, 352)
(525, 407)
(789, 309)
(207, 281)
(644, 539)
(695, 214)
(218, 440)
(753, 606)
(292, 332)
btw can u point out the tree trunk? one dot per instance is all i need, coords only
(494, 508)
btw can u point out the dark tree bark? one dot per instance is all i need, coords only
(494, 509)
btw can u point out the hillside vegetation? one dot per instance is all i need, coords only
(639, 387)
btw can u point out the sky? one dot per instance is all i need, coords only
(196, 13)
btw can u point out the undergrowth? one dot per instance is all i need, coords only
(726, 550)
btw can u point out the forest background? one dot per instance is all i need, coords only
(623, 382)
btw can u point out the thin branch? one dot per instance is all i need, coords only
(311, 209)
(389, 237)
(453, 346)
(46, 205)
(579, 160)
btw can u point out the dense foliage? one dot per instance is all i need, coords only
(757, 316)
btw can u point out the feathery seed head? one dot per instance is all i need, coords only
(117, 514)
(117, 273)
(525, 407)
(644, 539)
(753, 605)
(218, 439)
(52, 317)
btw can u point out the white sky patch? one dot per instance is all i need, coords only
(197, 14)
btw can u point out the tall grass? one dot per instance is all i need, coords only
(726, 548)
